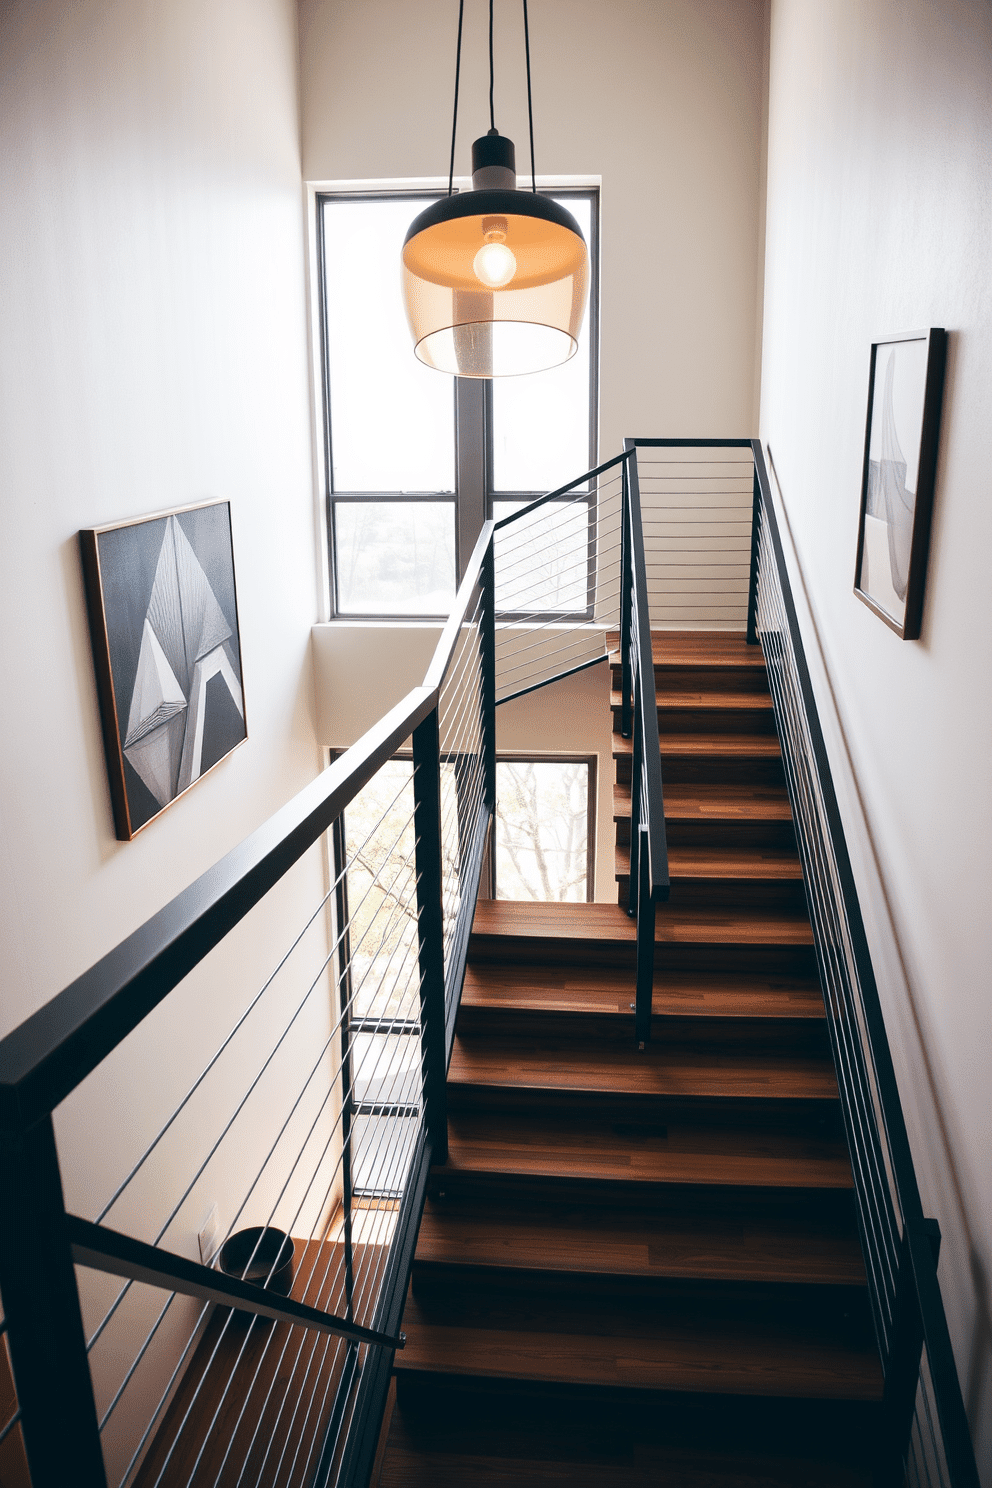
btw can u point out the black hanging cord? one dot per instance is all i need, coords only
(530, 101)
(454, 117)
(492, 73)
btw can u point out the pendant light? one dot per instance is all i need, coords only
(495, 278)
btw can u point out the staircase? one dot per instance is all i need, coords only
(643, 1267)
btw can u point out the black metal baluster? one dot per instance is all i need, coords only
(633, 889)
(44, 1321)
(430, 929)
(752, 588)
(626, 607)
(343, 927)
(487, 680)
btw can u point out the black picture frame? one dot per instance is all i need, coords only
(905, 393)
(162, 606)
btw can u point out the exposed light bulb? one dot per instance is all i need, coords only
(494, 263)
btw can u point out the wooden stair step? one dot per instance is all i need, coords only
(615, 1148)
(707, 746)
(501, 921)
(692, 801)
(702, 1244)
(758, 702)
(700, 648)
(606, 991)
(723, 863)
(638, 1343)
(621, 1069)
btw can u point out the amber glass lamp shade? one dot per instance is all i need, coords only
(495, 282)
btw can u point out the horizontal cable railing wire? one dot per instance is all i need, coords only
(927, 1437)
(557, 582)
(697, 501)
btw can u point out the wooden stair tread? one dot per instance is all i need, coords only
(602, 990)
(638, 1345)
(760, 702)
(614, 1069)
(707, 746)
(723, 862)
(589, 1147)
(695, 648)
(518, 918)
(623, 1242)
(687, 801)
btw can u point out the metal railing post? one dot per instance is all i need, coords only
(644, 983)
(343, 933)
(752, 587)
(487, 680)
(44, 1321)
(626, 607)
(430, 929)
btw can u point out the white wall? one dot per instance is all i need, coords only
(153, 353)
(880, 220)
(664, 101)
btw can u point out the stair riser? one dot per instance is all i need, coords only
(747, 959)
(828, 1210)
(702, 679)
(682, 770)
(730, 832)
(690, 720)
(806, 1036)
(785, 895)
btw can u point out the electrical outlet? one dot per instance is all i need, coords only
(209, 1236)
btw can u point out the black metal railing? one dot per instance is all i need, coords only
(649, 884)
(928, 1444)
(320, 1106)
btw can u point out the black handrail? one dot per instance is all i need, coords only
(900, 1245)
(103, 1249)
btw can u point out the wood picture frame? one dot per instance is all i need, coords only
(162, 606)
(905, 392)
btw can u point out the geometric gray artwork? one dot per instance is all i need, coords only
(163, 614)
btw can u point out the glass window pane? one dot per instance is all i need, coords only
(394, 557)
(386, 1069)
(541, 422)
(382, 1150)
(544, 562)
(382, 896)
(542, 829)
(392, 418)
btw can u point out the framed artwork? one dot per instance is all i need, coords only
(905, 387)
(163, 616)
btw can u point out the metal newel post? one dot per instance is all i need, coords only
(645, 946)
(430, 930)
(44, 1321)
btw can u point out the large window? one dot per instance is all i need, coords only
(416, 461)
(545, 822)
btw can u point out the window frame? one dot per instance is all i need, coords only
(544, 757)
(474, 499)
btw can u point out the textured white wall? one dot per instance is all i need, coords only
(880, 220)
(153, 353)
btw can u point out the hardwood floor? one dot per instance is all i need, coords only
(643, 1267)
